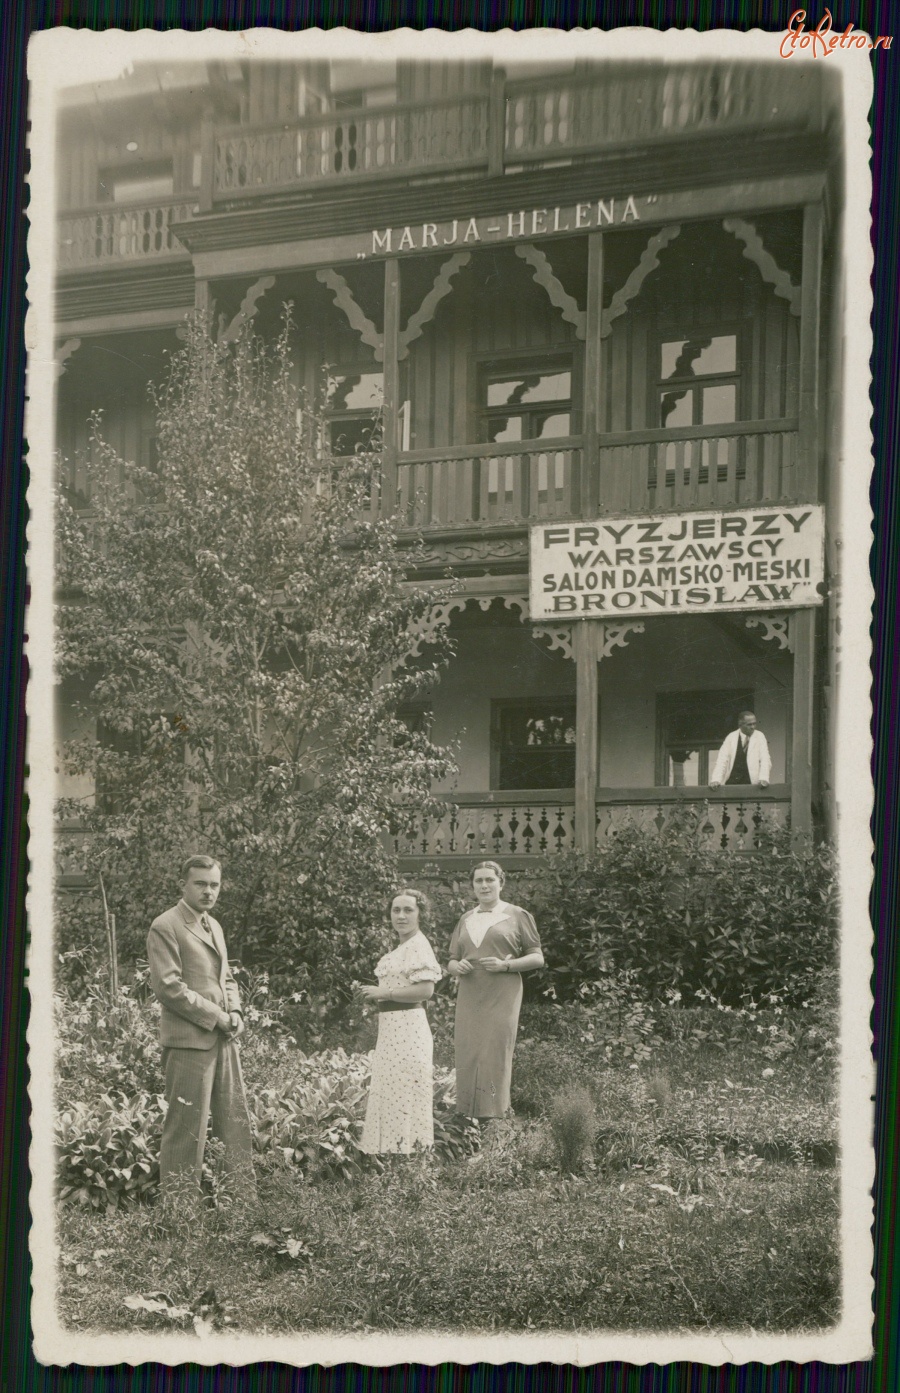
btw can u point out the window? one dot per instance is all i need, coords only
(690, 729)
(528, 399)
(145, 182)
(698, 385)
(354, 400)
(533, 744)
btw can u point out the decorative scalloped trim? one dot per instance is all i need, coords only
(558, 296)
(343, 298)
(426, 311)
(648, 262)
(776, 628)
(560, 638)
(768, 267)
(249, 306)
(64, 353)
(616, 635)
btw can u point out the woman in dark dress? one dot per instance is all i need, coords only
(491, 947)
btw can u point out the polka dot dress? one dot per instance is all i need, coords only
(399, 1114)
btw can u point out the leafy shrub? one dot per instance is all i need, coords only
(680, 916)
(573, 1124)
(307, 1115)
(108, 1150)
(105, 1048)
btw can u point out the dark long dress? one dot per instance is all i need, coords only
(487, 1011)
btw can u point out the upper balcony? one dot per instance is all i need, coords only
(507, 127)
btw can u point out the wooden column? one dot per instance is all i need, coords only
(590, 482)
(391, 384)
(803, 630)
(586, 638)
(496, 117)
(810, 313)
(203, 301)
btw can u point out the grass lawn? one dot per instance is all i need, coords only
(709, 1200)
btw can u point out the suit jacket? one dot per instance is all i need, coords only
(191, 978)
(759, 762)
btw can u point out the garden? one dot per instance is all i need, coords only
(670, 1162)
(671, 1157)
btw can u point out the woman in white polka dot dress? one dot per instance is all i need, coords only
(399, 1115)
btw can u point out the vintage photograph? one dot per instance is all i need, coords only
(449, 716)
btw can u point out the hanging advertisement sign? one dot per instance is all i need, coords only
(678, 563)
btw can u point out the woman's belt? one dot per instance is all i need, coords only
(400, 1006)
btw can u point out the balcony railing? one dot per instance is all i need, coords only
(537, 823)
(638, 471)
(496, 824)
(727, 819)
(352, 144)
(701, 466)
(640, 104)
(117, 233)
(514, 124)
(484, 483)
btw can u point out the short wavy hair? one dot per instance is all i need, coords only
(488, 866)
(420, 898)
(199, 863)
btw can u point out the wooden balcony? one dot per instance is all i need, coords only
(116, 234)
(519, 827)
(648, 471)
(511, 125)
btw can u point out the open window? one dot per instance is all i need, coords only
(533, 744)
(690, 728)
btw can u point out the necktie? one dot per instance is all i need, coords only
(205, 925)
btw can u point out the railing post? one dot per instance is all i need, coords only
(207, 162)
(810, 295)
(496, 131)
(391, 384)
(803, 632)
(586, 634)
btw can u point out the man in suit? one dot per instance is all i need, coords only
(199, 1027)
(744, 756)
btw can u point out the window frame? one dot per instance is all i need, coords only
(500, 705)
(521, 360)
(660, 473)
(351, 415)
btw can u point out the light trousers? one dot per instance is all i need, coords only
(204, 1085)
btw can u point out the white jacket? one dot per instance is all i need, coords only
(759, 762)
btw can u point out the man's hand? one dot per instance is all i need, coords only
(714, 784)
(764, 783)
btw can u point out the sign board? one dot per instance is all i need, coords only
(678, 563)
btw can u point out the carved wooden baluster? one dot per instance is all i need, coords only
(706, 830)
(497, 833)
(741, 829)
(528, 833)
(727, 819)
(454, 828)
(543, 824)
(513, 823)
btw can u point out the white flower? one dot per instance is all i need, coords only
(768, 1073)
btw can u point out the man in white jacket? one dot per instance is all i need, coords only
(744, 756)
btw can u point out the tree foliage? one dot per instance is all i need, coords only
(237, 621)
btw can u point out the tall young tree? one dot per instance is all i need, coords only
(239, 622)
